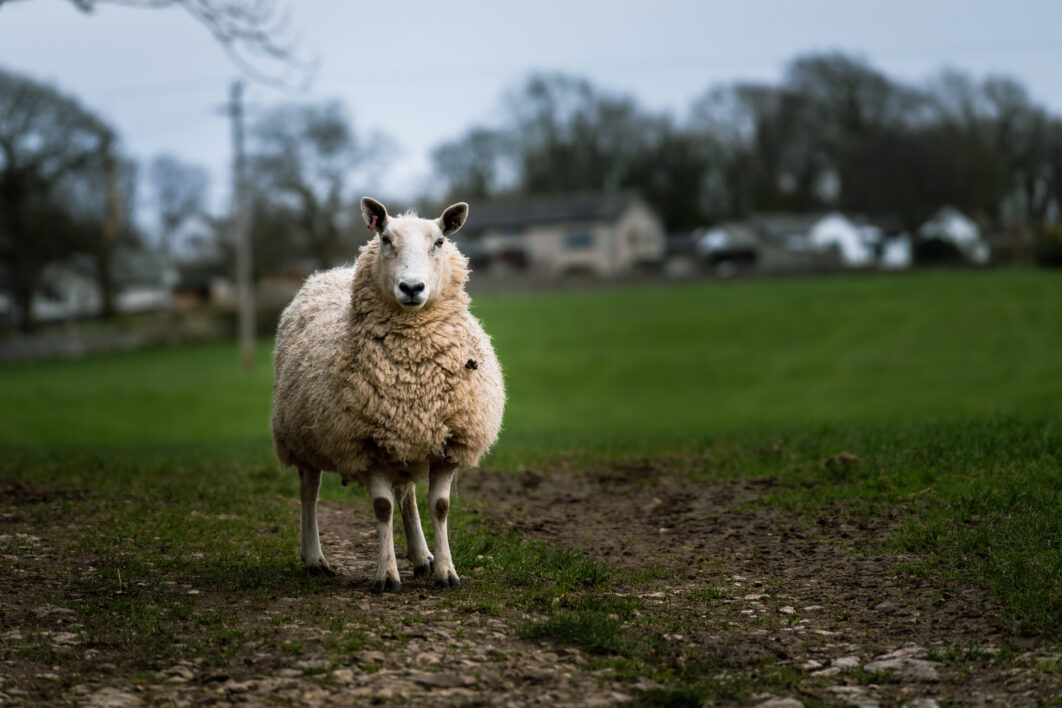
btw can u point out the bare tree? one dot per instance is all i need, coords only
(254, 33)
(569, 135)
(179, 192)
(472, 165)
(45, 139)
(305, 157)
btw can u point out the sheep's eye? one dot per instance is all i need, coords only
(439, 243)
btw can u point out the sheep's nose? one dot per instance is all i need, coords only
(411, 289)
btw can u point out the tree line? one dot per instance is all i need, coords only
(834, 133)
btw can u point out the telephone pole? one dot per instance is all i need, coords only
(242, 231)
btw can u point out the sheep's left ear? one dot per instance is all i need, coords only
(453, 218)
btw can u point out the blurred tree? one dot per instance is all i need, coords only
(472, 165)
(99, 199)
(46, 140)
(854, 122)
(304, 156)
(252, 33)
(567, 136)
(835, 134)
(179, 192)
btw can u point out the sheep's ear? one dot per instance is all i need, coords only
(374, 213)
(453, 218)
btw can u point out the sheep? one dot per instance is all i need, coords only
(382, 375)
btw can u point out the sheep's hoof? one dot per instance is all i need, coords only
(421, 570)
(450, 581)
(321, 568)
(388, 585)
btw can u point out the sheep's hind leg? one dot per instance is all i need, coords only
(439, 501)
(310, 545)
(383, 504)
(415, 543)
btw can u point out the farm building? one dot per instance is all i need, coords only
(604, 235)
(951, 226)
(70, 288)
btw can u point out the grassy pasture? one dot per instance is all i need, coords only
(648, 370)
(944, 388)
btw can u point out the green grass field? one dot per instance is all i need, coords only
(631, 371)
(947, 386)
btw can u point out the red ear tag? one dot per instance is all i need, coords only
(372, 226)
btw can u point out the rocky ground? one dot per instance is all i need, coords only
(778, 609)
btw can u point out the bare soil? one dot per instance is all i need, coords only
(775, 608)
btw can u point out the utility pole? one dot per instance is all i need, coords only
(242, 231)
(112, 224)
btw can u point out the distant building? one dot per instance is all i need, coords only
(605, 235)
(951, 226)
(852, 242)
(69, 288)
(729, 248)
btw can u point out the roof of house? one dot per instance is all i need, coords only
(520, 213)
(777, 227)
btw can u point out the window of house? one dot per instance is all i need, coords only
(580, 241)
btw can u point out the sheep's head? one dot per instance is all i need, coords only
(413, 258)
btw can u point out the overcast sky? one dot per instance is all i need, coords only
(424, 71)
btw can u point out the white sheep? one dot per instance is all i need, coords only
(383, 376)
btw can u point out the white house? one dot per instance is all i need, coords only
(605, 235)
(896, 253)
(854, 243)
(951, 225)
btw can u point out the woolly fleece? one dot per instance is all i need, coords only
(362, 385)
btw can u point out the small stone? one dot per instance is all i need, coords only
(885, 605)
(846, 662)
(343, 676)
(829, 671)
(787, 610)
(786, 702)
(444, 679)
(370, 656)
(290, 673)
(904, 669)
(854, 696)
(46, 610)
(113, 698)
(909, 650)
(314, 664)
(179, 673)
(811, 664)
(812, 608)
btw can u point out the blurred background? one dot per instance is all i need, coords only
(595, 142)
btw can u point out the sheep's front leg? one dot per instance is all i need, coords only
(310, 545)
(439, 500)
(418, 547)
(383, 504)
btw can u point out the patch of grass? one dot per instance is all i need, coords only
(594, 631)
(542, 572)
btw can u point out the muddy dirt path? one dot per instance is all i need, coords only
(813, 604)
